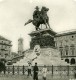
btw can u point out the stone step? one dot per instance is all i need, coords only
(48, 56)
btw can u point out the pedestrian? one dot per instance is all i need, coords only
(44, 72)
(35, 72)
(29, 69)
(2, 66)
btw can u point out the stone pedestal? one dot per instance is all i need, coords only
(44, 38)
(41, 50)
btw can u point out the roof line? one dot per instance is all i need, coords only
(1, 37)
(67, 32)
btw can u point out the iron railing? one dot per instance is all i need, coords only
(52, 70)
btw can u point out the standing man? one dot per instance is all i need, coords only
(44, 72)
(35, 72)
(29, 69)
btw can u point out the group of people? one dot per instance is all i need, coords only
(36, 70)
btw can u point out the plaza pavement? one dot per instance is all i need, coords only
(24, 77)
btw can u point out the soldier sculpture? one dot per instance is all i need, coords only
(39, 17)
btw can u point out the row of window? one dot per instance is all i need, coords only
(5, 55)
(4, 52)
(71, 37)
(61, 41)
(67, 47)
(67, 52)
(4, 47)
(72, 61)
(5, 42)
(61, 44)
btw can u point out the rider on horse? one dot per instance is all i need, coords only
(36, 13)
(39, 17)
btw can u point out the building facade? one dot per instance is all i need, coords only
(65, 42)
(5, 47)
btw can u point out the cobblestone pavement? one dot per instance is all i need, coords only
(24, 77)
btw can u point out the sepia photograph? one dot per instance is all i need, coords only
(37, 39)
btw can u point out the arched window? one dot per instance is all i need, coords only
(66, 50)
(72, 48)
(72, 61)
(61, 51)
(60, 43)
(72, 51)
(67, 60)
(55, 44)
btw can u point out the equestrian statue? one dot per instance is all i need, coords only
(39, 18)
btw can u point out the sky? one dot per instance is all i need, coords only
(14, 13)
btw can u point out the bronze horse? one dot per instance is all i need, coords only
(42, 19)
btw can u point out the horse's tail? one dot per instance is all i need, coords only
(29, 21)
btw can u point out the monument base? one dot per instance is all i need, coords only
(48, 57)
(44, 38)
